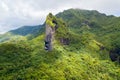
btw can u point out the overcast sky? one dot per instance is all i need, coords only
(17, 13)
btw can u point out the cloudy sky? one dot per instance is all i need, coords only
(17, 13)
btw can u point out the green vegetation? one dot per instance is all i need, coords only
(104, 29)
(92, 37)
(62, 31)
(49, 20)
(26, 31)
(28, 60)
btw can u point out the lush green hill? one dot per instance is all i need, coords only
(29, 31)
(106, 29)
(85, 58)
(25, 30)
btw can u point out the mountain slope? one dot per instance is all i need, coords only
(30, 31)
(25, 30)
(85, 58)
(105, 29)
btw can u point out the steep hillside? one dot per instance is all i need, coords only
(106, 29)
(86, 57)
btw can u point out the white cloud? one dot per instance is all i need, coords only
(16, 13)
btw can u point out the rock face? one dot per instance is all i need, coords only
(49, 33)
(49, 37)
(55, 30)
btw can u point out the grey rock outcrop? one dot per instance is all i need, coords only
(49, 37)
(55, 29)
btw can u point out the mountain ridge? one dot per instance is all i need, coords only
(26, 30)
